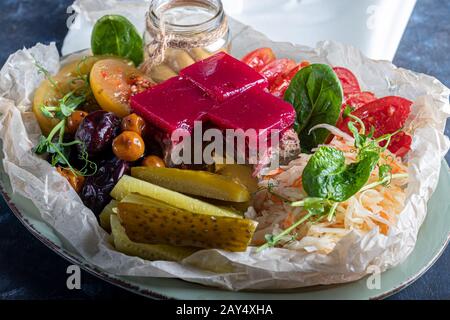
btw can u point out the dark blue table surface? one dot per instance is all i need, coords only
(28, 270)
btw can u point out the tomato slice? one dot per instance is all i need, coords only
(281, 84)
(386, 115)
(276, 69)
(400, 144)
(349, 81)
(259, 58)
(359, 99)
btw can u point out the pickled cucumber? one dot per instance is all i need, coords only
(105, 216)
(178, 59)
(162, 73)
(145, 251)
(150, 221)
(241, 173)
(128, 185)
(198, 183)
(199, 54)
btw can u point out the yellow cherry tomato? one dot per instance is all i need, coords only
(113, 81)
(49, 92)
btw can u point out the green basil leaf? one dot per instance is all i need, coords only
(116, 35)
(327, 175)
(316, 94)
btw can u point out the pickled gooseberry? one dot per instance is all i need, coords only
(129, 146)
(153, 162)
(75, 181)
(74, 121)
(133, 123)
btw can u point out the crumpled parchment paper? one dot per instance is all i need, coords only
(61, 208)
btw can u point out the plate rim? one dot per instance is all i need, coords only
(136, 289)
(70, 257)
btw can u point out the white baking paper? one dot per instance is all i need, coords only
(61, 208)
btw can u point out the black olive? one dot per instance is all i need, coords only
(97, 188)
(97, 132)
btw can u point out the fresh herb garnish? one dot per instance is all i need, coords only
(329, 181)
(116, 35)
(316, 94)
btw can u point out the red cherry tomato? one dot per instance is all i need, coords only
(276, 69)
(400, 144)
(359, 99)
(385, 115)
(349, 81)
(259, 58)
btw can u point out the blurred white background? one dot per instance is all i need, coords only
(375, 26)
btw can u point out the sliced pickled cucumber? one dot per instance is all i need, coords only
(146, 251)
(199, 54)
(105, 216)
(198, 183)
(241, 173)
(128, 185)
(237, 207)
(150, 221)
(178, 59)
(162, 73)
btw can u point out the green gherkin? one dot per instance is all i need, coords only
(150, 221)
(146, 251)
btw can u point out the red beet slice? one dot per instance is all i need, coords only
(254, 109)
(223, 76)
(174, 104)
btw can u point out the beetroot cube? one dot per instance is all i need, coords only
(174, 104)
(223, 76)
(254, 109)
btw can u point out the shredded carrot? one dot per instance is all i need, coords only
(298, 183)
(276, 199)
(289, 221)
(273, 173)
(384, 228)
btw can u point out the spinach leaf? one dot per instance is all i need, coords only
(316, 94)
(327, 175)
(116, 35)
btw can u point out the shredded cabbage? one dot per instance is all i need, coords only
(377, 207)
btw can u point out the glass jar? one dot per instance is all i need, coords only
(182, 32)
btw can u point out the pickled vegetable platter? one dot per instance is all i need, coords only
(342, 153)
